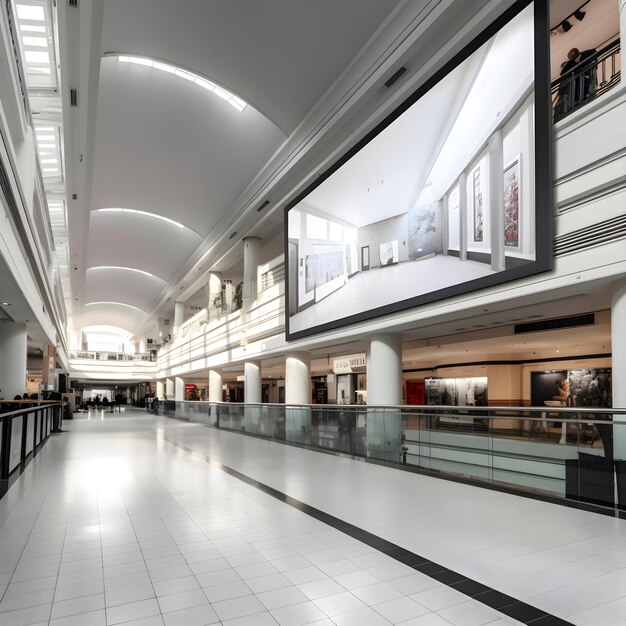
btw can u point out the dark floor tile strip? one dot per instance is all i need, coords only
(496, 600)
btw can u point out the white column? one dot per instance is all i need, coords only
(169, 389)
(384, 387)
(213, 289)
(252, 393)
(12, 359)
(298, 378)
(142, 345)
(251, 260)
(215, 386)
(179, 389)
(179, 316)
(298, 391)
(160, 389)
(252, 382)
(496, 201)
(462, 217)
(618, 351)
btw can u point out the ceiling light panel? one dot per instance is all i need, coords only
(226, 95)
(35, 27)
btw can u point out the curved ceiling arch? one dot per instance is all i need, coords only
(112, 303)
(166, 146)
(110, 314)
(134, 239)
(129, 285)
(203, 81)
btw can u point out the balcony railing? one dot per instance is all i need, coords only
(586, 81)
(111, 356)
(22, 432)
(557, 452)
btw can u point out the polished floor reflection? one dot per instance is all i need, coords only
(130, 520)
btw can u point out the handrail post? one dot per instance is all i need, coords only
(6, 448)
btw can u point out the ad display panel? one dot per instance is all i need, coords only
(449, 194)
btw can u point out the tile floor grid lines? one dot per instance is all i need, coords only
(51, 479)
(159, 507)
(506, 604)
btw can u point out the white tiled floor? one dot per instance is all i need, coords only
(113, 524)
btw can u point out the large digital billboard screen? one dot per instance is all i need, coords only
(449, 194)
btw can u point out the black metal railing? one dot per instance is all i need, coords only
(22, 431)
(586, 81)
(574, 454)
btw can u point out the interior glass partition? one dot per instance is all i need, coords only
(560, 453)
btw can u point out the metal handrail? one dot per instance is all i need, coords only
(586, 81)
(425, 407)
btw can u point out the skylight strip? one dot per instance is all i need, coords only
(130, 306)
(226, 95)
(159, 217)
(126, 269)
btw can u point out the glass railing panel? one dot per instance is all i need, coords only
(16, 443)
(30, 433)
(561, 452)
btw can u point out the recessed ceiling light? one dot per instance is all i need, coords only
(36, 57)
(5, 303)
(29, 12)
(37, 42)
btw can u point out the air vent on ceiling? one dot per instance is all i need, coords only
(586, 319)
(263, 206)
(233, 234)
(390, 81)
(72, 3)
(74, 97)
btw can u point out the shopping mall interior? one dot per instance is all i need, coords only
(312, 313)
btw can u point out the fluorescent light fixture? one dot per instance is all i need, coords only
(50, 169)
(38, 70)
(159, 217)
(44, 129)
(43, 138)
(126, 269)
(226, 95)
(36, 57)
(27, 28)
(49, 160)
(37, 42)
(29, 12)
(130, 306)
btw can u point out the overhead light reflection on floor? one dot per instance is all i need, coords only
(106, 474)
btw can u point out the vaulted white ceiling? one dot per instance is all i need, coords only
(160, 145)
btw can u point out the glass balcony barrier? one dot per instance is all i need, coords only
(22, 431)
(575, 454)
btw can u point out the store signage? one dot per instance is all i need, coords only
(241, 378)
(346, 364)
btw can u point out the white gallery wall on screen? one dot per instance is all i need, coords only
(505, 76)
(454, 219)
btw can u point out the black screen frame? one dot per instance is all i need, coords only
(544, 222)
